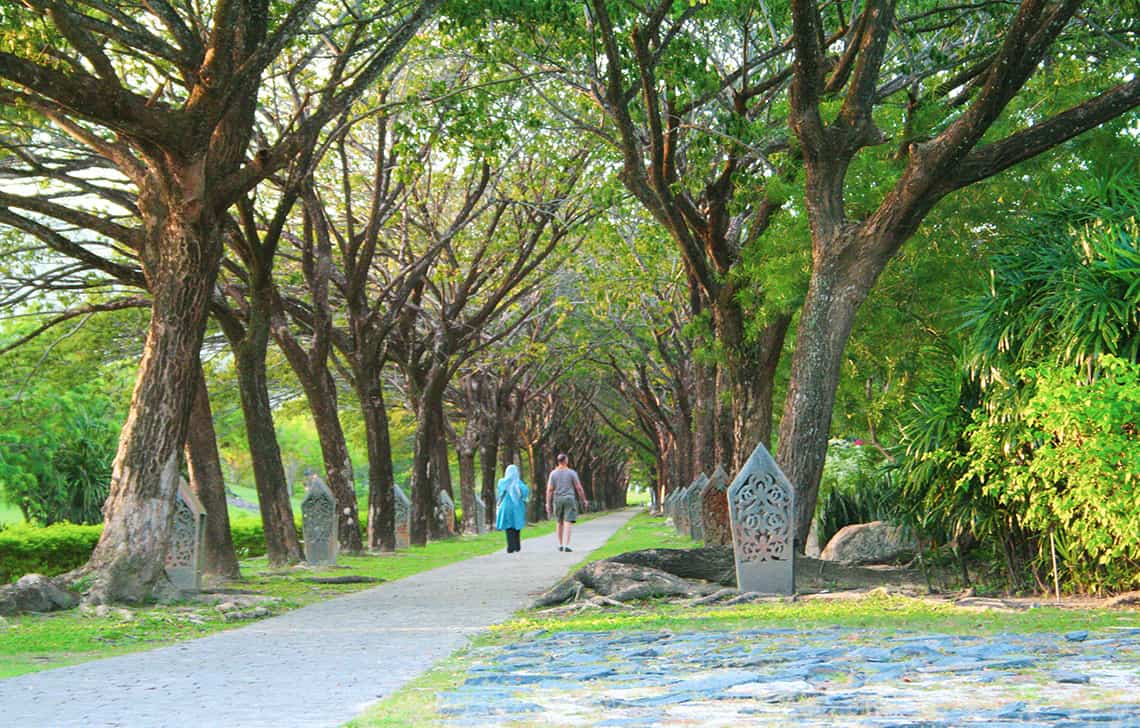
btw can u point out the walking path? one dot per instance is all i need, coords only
(316, 666)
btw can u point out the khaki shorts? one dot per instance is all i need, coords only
(566, 509)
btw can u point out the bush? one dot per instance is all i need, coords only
(1074, 470)
(61, 547)
(48, 550)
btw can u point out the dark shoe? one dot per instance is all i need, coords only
(567, 548)
(561, 548)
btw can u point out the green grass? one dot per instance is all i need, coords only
(881, 612)
(38, 642)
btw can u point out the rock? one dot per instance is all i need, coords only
(227, 607)
(102, 610)
(35, 593)
(869, 543)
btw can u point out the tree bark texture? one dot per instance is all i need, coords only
(281, 542)
(466, 455)
(488, 456)
(441, 471)
(381, 479)
(129, 560)
(833, 298)
(322, 397)
(429, 429)
(208, 484)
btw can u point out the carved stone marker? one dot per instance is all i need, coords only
(445, 513)
(403, 517)
(318, 522)
(715, 526)
(761, 508)
(480, 515)
(692, 505)
(187, 550)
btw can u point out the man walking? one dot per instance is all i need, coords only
(563, 492)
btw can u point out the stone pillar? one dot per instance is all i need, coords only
(480, 515)
(715, 526)
(403, 517)
(692, 507)
(445, 513)
(318, 522)
(187, 540)
(761, 507)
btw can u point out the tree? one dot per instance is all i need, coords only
(486, 274)
(961, 142)
(167, 95)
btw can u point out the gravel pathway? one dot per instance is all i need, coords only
(316, 666)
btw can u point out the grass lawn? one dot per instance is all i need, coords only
(415, 704)
(42, 641)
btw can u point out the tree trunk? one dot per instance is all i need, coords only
(322, 396)
(129, 560)
(466, 455)
(441, 469)
(429, 429)
(488, 455)
(833, 297)
(704, 416)
(536, 507)
(725, 430)
(381, 479)
(508, 439)
(282, 544)
(208, 484)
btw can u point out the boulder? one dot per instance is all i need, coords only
(876, 542)
(35, 593)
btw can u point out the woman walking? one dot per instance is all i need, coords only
(510, 506)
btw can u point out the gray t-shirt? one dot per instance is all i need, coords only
(564, 482)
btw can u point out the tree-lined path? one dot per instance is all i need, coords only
(316, 666)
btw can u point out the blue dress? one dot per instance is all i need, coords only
(511, 497)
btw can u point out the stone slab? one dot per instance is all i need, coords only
(318, 522)
(761, 508)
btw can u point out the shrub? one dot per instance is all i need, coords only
(855, 488)
(1074, 470)
(56, 449)
(49, 550)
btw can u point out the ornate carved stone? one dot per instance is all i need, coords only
(715, 526)
(184, 559)
(692, 505)
(761, 507)
(403, 518)
(445, 513)
(480, 515)
(318, 522)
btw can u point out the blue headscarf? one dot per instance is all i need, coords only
(511, 496)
